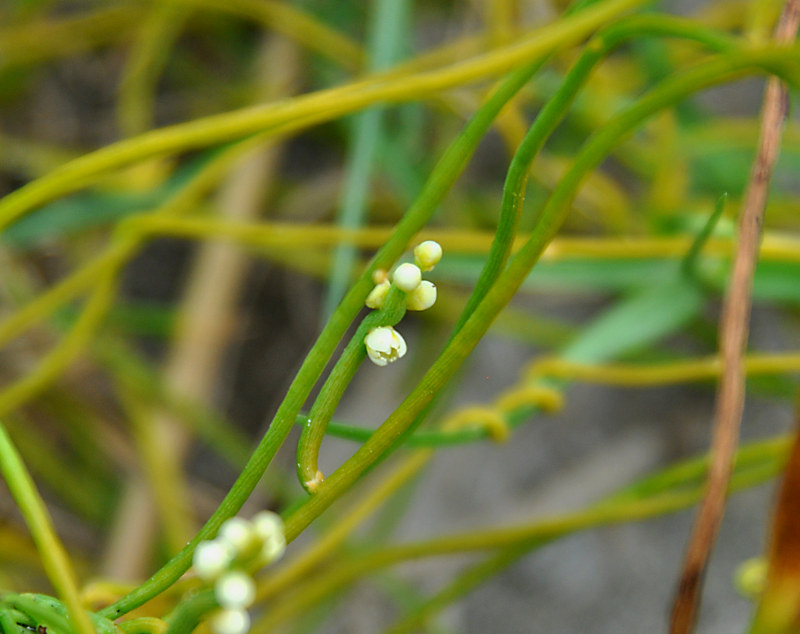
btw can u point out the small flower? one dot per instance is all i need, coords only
(384, 345)
(269, 528)
(427, 254)
(238, 533)
(422, 297)
(235, 590)
(376, 298)
(407, 277)
(379, 276)
(230, 622)
(211, 558)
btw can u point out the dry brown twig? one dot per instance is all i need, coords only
(734, 328)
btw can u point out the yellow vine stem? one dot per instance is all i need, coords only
(144, 625)
(486, 417)
(287, 576)
(292, 22)
(164, 474)
(496, 427)
(101, 272)
(146, 59)
(634, 374)
(593, 517)
(54, 363)
(42, 40)
(54, 557)
(775, 246)
(304, 111)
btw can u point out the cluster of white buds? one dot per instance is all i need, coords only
(384, 344)
(220, 561)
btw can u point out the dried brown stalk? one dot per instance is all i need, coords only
(779, 608)
(734, 328)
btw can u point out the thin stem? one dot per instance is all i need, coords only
(332, 390)
(672, 90)
(520, 539)
(440, 181)
(733, 334)
(54, 558)
(388, 33)
(186, 617)
(303, 111)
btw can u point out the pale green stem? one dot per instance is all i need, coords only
(54, 557)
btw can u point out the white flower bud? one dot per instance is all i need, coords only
(376, 298)
(235, 590)
(267, 524)
(384, 345)
(237, 532)
(230, 622)
(427, 254)
(407, 277)
(269, 528)
(422, 297)
(273, 548)
(211, 559)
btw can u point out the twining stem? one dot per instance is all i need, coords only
(54, 557)
(672, 90)
(189, 613)
(445, 173)
(549, 117)
(330, 394)
(778, 247)
(304, 111)
(290, 574)
(678, 488)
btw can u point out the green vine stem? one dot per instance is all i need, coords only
(553, 112)
(712, 72)
(444, 175)
(143, 625)
(185, 618)
(513, 190)
(54, 557)
(547, 120)
(332, 390)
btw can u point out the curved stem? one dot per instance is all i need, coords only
(445, 173)
(54, 558)
(332, 390)
(674, 89)
(186, 617)
(303, 111)
(618, 508)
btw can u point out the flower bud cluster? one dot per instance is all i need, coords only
(240, 543)
(384, 344)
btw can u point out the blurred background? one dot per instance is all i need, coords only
(174, 385)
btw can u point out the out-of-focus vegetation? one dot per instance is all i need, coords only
(155, 155)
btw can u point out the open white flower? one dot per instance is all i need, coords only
(422, 297)
(427, 254)
(407, 277)
(384, 345)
